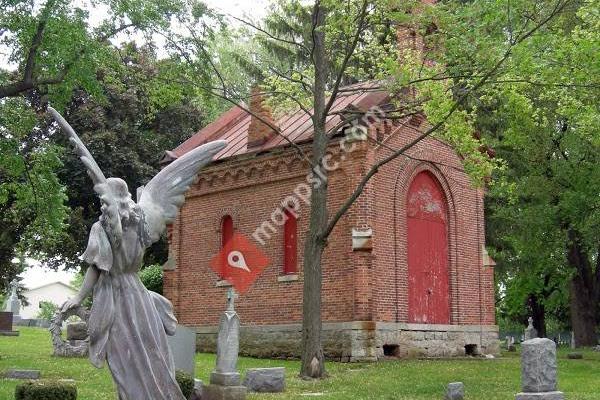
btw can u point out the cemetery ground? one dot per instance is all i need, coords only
(490, 379)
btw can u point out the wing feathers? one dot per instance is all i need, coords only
(82, 152)
(165, 193)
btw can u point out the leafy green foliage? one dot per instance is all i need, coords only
(54, 48)
(186, 383)
(152, 278)
(47, 310)
(126, 114)
(45, 390)
(31, 196)
(537, 114)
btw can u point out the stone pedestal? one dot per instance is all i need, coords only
(218, 392)
(224, 386)
(538, 370)
(225, 378)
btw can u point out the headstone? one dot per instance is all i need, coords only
(198, 390)
(69, 347)
(538, 370)
(225, 380)
(77, 331)
(575, 356)
(510, 344)
(22, 374)
(13, 304)
(455, 391)
(530, 331)
(265, 380)
(6, 324)
(573, 344)
(183, 349)
(596, 348)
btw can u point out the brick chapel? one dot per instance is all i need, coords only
(405, 272)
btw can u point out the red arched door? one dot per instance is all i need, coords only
(427, 220)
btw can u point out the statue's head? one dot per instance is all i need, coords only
(118, 209)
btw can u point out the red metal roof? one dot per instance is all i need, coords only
(296, 126)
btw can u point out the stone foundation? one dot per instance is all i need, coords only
(362, 341)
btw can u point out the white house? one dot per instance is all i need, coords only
(55, 292)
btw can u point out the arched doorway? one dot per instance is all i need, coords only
(427, 230)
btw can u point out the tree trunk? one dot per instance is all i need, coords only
(538, 313)
(583, 299)
(583, 314)
(313, 362)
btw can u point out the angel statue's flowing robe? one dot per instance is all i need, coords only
(128, 325)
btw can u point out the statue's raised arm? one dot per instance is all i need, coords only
(93, 169)
(162, 197)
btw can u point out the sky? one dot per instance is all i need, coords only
(37, 275)
(239, 8)
(254, 9)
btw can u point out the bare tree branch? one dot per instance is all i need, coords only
(231, 100)
(349, 52)
(560, 5)
(305, 85)
(268, 34)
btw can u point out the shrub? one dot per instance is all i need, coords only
(45, 390)
(186, 383)
(47, 310)
(152, 278)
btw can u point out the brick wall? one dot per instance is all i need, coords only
(357, 286)
(249, 190)
(471, 285)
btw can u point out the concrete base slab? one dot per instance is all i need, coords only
(218, 392)
(540, 396)
(9, 333)
(22, 374)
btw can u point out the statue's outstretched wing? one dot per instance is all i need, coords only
(93, 170)
(164, 194)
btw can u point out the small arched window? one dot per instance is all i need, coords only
(290, 244)
(226, 236)
(226, 230)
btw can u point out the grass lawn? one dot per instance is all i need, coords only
(497, 379)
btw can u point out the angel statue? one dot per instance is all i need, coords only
(128, 324)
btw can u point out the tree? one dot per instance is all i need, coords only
(56, 48)
(53, 48)
(47, 310)
(341, 43)
(135, 108)
(543, 217)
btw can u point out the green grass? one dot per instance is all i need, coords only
(497, 379)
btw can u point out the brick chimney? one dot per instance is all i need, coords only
(259, 132)
(407, 36)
